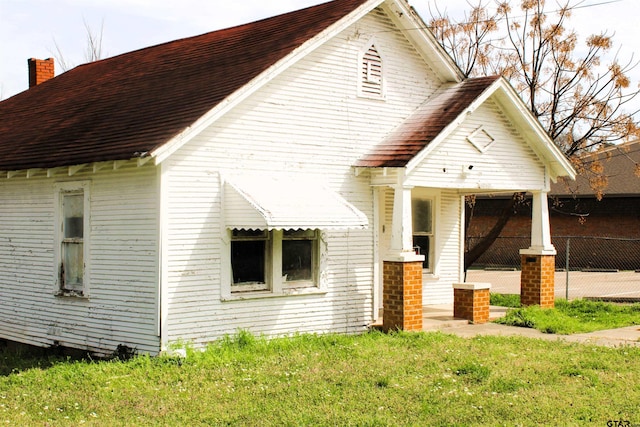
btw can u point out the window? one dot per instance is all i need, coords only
(422, 213)
(371, 73)
(72, 245)
(273, 260)
(298, 255)
(248, 259)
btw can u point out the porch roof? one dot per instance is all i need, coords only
(421, 128)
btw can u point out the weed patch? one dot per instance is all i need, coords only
(578, 316)
(505, 300)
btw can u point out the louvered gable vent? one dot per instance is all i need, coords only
(371, 79)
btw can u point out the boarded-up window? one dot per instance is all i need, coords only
(371, 73)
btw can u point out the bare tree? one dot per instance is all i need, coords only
(93, 47)
(579, 99)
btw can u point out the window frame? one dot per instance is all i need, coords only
(428, 265)
(275, 282)
(313, 258)
(62, 191)
(253, 285)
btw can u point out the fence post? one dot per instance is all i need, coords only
(567, 267)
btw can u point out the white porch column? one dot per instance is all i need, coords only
(401, 246)
(540, 229)
(537, 277)
(402, 270)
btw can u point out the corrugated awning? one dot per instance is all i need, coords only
(259, 202)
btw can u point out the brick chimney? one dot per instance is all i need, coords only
(40, 70)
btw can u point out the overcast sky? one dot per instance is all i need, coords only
(33, 28)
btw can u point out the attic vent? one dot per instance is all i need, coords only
(371, 78)
(481, 139)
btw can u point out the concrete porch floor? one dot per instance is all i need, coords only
(436, 317)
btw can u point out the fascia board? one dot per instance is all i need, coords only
(535, 135)
(171, 146)
(538, 138)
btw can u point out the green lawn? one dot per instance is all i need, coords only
(577, 316)
(372, 379)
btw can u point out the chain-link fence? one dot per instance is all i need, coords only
(586, 267)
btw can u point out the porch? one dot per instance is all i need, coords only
(437, 317)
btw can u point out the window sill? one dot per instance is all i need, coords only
(70, 294)
(430, 276)
(288, 292)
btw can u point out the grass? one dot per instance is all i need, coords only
(505, 300)
(371, 379)
(578, 316)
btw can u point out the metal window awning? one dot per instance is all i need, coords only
(266, 202)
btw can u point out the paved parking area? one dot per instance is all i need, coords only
(578, 284)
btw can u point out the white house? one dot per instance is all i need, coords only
(260, 177)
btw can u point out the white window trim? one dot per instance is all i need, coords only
(276, 286)
(60, 189)
(361, 61)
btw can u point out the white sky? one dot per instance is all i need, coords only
(32, 28)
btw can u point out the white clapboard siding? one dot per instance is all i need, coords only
(122, 307)
(437, 288)
(310, 121)
(508, 164)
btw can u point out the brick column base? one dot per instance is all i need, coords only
(471, 301)
(402, 296)
(537, 280)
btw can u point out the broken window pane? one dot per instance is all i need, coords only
(248, 261)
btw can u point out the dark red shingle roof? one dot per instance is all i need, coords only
(426, 123)
(122, 107)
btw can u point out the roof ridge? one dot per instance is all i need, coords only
(209, 33)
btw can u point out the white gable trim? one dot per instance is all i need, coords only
(532, 131)
(163, 152)
(537, 137)
(415, 30)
